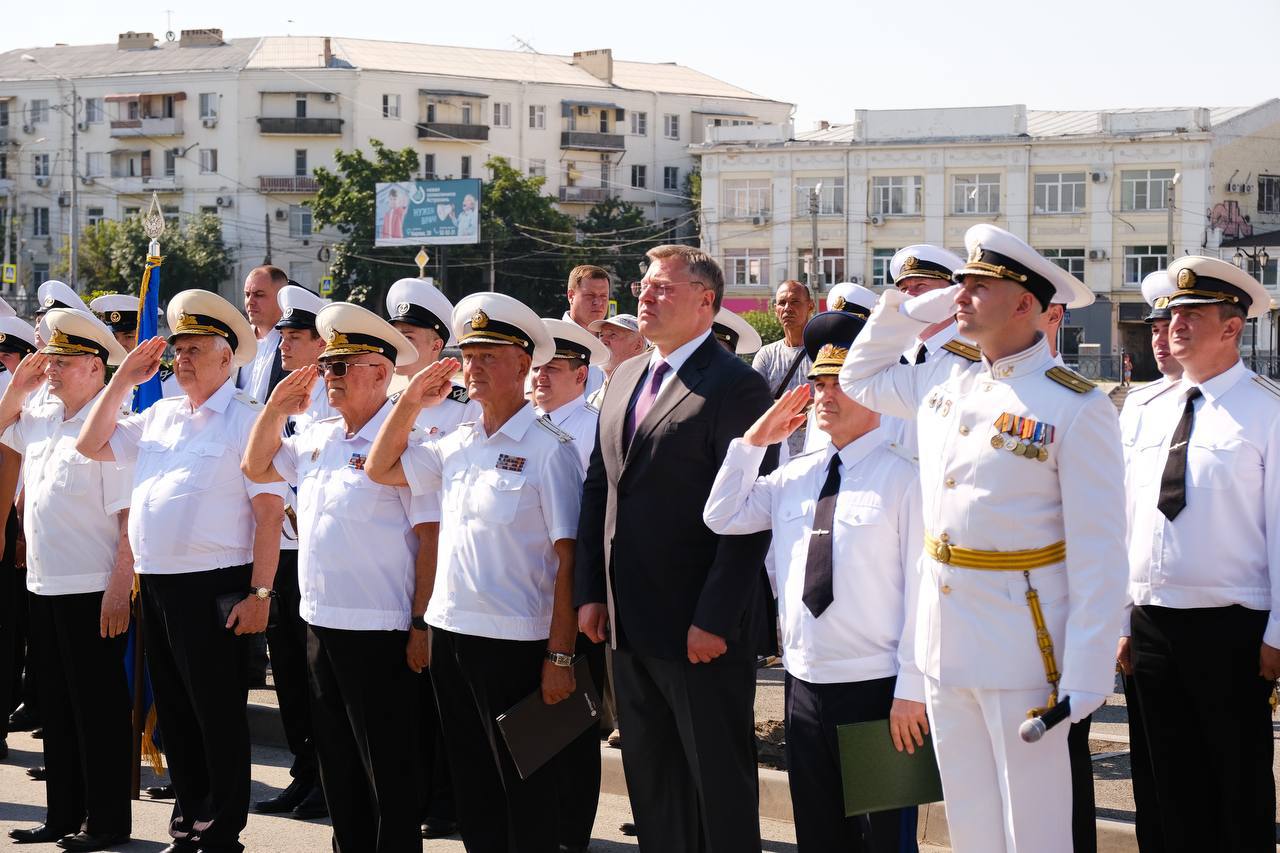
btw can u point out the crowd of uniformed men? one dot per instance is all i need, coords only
(912, 491)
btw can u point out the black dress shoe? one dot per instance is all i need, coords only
(38, 734)
(628, 828)
(41, 834)
(312, 805)
(435, 827)
(37, 773)
(164, 792)
(286, 800)
(84, 842)
(22, 720)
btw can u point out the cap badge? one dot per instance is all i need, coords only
(2, 337)
(288, 312)
(402, 308)
(1186, 279)
(58, 338)
(48, 301)
(1161, 302)
(115, 316)
(838, 303)
(975, 254)
(910, 263)
(479, 320)
(336, 338)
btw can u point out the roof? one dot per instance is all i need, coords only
(308, 52)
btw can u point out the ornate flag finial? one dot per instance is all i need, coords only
(153, 224)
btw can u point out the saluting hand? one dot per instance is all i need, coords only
(30, 373)
(933, 306)
(292, 396)
(784, 417)
(142, 363)
(432, 383)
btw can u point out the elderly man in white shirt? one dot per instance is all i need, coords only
(847, 535)
(361, 649)
(206, 543)
(80, 574)
(501, 608)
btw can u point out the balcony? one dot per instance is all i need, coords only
(124, 185)
(586, 195)
(436, 130)
(146, 127)
(284, 126)
(287, 184)
(582, 140)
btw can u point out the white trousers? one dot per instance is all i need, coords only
(1002, 795)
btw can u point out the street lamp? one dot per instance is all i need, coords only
(74, 266)
(1253, 263)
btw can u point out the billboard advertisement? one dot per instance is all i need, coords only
(431, 213)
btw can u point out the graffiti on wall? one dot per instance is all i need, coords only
(1226, 216)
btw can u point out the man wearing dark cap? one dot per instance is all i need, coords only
(1204, 570)
(1024, 527)
(847, 582)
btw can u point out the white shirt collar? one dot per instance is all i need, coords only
(1214, 388)
(515, 426)
(676, 359)
(220, 399)
(559, 415)
(855, 451)
(941, 338)
(1022, 363)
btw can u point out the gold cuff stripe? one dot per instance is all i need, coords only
(994, 561)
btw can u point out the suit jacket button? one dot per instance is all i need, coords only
(946, 590)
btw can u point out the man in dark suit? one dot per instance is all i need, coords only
(683, 607)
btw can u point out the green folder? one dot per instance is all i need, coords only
(877, 777)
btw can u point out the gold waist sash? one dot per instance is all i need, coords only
(941, 549)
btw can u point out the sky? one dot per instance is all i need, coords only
(828, 58)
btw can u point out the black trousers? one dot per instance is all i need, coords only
(287, 642)
(1146, 806)
(17, 676)
(476, 679)
(1208, 726)
(689, 752)
(437, 784)
(199, 675)
(579, 770)
(364, 702)
(1084, 826)
(813, 711)
(86, 702)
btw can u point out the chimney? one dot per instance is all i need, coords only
(210, 37)
(824, 125)
(135, 41)
(597, 63)
(328, 52)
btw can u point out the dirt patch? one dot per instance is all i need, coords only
(770, 744)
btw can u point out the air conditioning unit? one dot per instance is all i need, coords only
(855, 279)
(1098, 177)
(42, 181)
(761, 219)
(82, 125)
(223, 200)
(330, 97)
(87, 181)
(209, 121)
(584, 111)
(877, 219)
(1097, 254)
(1247, 189)
(1233, 188)
(64, 200)
(281, 214)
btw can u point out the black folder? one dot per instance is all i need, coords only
(535, 731)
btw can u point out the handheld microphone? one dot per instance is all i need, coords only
(1034, 728)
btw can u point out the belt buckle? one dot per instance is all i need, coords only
(942, 551)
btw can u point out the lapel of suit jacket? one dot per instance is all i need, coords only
(686, 379)
(613, 415)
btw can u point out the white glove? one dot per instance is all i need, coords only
(1084, 704)
(932, 307)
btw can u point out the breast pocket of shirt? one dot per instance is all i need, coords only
(71, 474)
(855, 515)
(353, 495)
(196, 464)
(1212, 464)
(495, 496)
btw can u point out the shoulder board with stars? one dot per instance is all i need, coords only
(243, 397)
(1269, 384)
(965, 351)
(901, 452)
(459, 394)
(396, 396)
(554, 430)
(1147, 393)
(165, 372)
(1068, 378)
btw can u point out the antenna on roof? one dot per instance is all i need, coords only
(524, 45)
(168, 28)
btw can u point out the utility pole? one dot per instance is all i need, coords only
(267, 218)
(74, 264)
(815, 261)
(493, 273)
(1168, 203)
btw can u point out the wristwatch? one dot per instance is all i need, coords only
(419, 623)
(263, 592)
(559, 658)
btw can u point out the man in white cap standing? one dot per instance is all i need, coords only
(1024, 527)
(501, 610)
(621, 336)
(362, 650)
(1204, 569)
(206, 543)
(735, 334)
(421, 313)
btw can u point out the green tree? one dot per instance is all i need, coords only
(693, 192)
(765, 323)
(615, 235)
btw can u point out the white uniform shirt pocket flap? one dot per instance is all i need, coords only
(1211, 461)
(860, 513)
(495, 495)
(72, 473)
(792, 511)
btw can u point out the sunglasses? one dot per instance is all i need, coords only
(339, 368)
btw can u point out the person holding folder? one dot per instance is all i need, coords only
(847, 534)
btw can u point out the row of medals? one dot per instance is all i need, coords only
(1020, 448)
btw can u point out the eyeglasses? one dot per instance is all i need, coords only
(339, 368)
(660, 291)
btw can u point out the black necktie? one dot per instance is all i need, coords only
(921, 354)
(1173, 483)
(818, 593)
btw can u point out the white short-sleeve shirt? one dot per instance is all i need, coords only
(578, 418)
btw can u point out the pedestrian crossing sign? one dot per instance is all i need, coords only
(326, 286)
(10, 275)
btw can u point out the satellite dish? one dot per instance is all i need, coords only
(168, 36)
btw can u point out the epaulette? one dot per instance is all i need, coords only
(459, 395)
(592, 409)
(1269, 384)
(1068, 378)
(243, 397)
(900, 451)
(1147, 393)
(554, 430)
(165, 372)
(966, 351)
(396, 396)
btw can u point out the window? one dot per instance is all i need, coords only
(1071, 260)
(537, 168)
(638, 176)
(1145, 189)
(830, 197)
(501, 114)
(94, 215)
(604, 121)
(639, 124)
(976, 193)
(880, 259)
(1268, 194)
(300, 162)
(746, 198)
(466, 112)
(299, 220)
(208, 210)
(671, 177)
(537, 117)
(39, 273)
(897, 195)
(39, 110)
(1141, 261)
(832, 269)
(4, 166)
(131, 111)
(431, 112)
(465, 171)
(746, 267)
(671, 126)
(40, 167)
(4, 113)
(391, 106)
(300, 106)
(170, 162)
(39, 222)
(93, 110)
(208, 161)
(1269, 276)
(208, 105)
(1059, 192)
(301, 271)
(429, 166)
(132, 211)
(170, 213)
